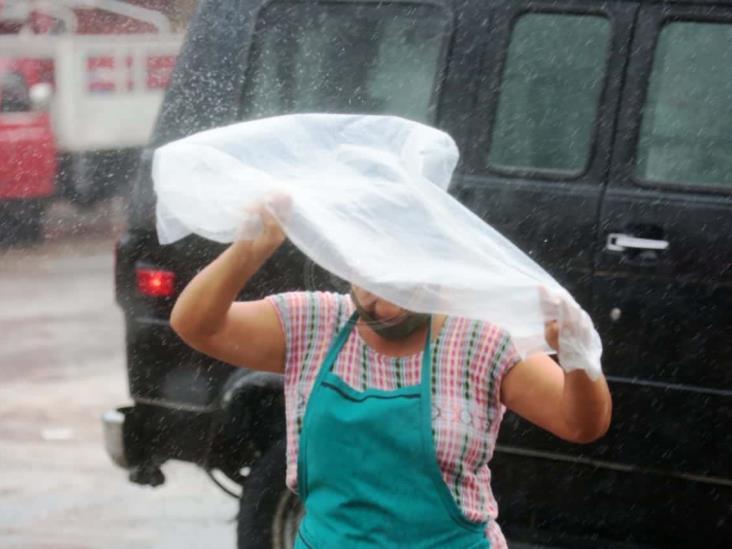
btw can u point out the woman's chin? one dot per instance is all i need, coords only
(388, 315)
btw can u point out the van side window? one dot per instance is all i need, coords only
(370, 58)
(550, 91)
(686, 128)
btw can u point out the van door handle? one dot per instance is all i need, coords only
(619, 242)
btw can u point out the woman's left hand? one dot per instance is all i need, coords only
(552, 394)
(570, 332)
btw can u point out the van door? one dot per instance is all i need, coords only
(536, 169)
(663, 282)
(547, 95)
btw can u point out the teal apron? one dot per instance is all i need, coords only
(367, 470)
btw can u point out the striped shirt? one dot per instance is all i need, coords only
(470, 359)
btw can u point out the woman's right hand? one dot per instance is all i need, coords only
(261, 226)
(206, 315)
(271, 234)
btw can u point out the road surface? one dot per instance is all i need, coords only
(61, 366)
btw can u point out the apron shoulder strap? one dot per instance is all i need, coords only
(336, 346)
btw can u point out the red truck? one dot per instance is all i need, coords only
(27, 155)
(108, 63)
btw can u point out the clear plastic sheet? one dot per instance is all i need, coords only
(368, 202)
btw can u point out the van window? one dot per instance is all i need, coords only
(685, 134)
(368, 58)
(549, 92)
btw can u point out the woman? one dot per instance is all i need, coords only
(392, 416)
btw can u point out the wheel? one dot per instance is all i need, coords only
(31, 222)
(21, 221)
(78, 181)
(86, 178)
(269, 514)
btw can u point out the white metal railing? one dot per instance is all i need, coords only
(108, 87)
(20, 10)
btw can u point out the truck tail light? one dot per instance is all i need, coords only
(155, 283)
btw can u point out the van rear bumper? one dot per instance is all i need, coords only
(144, 435)
(113, 426)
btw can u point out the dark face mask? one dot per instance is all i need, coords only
(392, 329)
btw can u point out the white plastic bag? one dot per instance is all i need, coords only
(369, 204)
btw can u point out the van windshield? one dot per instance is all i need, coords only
(13, 93)
(345, 57)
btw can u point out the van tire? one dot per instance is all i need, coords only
(269, 512)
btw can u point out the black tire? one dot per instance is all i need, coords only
(78, 183)
(21, 222)
(269, 514)
(32, 223)
(90, 177)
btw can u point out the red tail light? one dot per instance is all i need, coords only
(155, 283)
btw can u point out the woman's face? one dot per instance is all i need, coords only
(377, 307)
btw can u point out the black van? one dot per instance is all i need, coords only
(597, 135)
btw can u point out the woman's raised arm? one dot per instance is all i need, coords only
(207, 318)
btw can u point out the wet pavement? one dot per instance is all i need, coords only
(61, 366)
